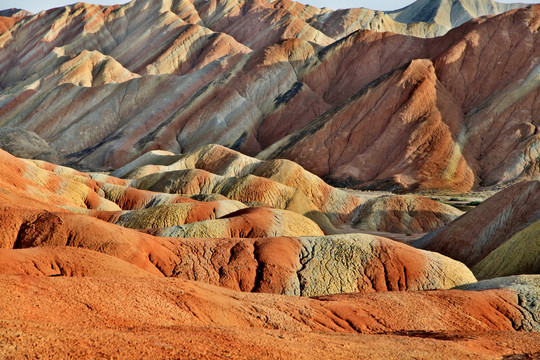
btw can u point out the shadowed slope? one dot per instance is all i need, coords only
(26, 144)
(449, 13)
(473, 236)
(519, 255)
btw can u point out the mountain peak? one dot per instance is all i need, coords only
(14, 12)
(449, 13)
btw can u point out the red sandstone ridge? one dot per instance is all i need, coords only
(436, 110)
(374, 109)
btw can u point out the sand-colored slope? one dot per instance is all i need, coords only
(215, 169)
(404, 214)
(519, 255)
(254, 222)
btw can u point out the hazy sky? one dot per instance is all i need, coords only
(38, 5)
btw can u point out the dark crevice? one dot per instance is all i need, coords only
(259, 272)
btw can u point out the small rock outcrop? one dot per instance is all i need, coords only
(26, 144)
(404, 214)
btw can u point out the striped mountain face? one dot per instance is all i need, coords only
(378, 110)
(162, 192)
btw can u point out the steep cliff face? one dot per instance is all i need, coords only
(103, 85)
(453, 121)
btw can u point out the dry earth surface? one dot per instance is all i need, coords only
(219, 233)
(78, 284)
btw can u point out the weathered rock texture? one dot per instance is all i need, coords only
(175, 318)
(370, 108)
(527, 289)
(220, 242)
(511, 214)
(26, 144)
(404, 214)
(296, 266)
(159, 216)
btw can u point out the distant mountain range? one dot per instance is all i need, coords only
(103, 85)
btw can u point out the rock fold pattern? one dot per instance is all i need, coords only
(356, 106)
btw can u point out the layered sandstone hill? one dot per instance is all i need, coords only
(499, 237)
(376, 109)
(404, 214)
(214, 169)
(429, 123)
(62, 246)
(26, 144)
(195, 250)
(423, 18)
(449, 13)
(14, 12)
(212, 241)
(518, 255)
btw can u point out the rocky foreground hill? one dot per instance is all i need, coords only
(163, 193)
(213, 253)
(103, 85)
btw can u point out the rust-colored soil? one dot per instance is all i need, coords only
(131, 318)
